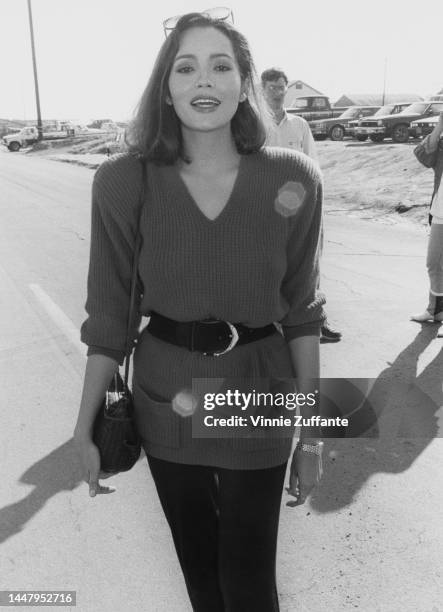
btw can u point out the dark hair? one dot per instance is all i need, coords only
(155, 131)
(273, 74)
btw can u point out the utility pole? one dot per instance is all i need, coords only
(384, 83)
(34, 63)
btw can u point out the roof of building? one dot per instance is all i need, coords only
(375, 99)
(298, 82)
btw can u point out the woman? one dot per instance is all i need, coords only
(231, 233)
(430, 154)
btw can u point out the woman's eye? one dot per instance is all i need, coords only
(222, 67)
(184, 69)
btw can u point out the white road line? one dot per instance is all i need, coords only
(63, 322)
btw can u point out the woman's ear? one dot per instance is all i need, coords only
(168, 100)
(244, 90)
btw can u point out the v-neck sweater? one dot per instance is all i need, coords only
(256, 263)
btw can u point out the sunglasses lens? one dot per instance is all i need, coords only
(221, 13)
(171, 22)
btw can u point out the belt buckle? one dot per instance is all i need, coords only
(233, 339)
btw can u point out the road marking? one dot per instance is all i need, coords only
(63, 322)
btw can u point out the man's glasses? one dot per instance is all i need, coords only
(277, 88)
(219, 13)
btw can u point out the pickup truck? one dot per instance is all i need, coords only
(397, 126)
(337, 127)
(29, 135)
(312, 108)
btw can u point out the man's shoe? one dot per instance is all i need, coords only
(328, 334)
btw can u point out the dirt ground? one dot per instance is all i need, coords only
(379, 181)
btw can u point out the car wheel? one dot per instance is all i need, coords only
(400, 133)
(14, 146)
(361, 138)
(376, 137)
(337, 133)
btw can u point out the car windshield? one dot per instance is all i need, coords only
(384, 110)
(417, 107)
(350, 113)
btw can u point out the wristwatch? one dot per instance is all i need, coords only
(317, 448)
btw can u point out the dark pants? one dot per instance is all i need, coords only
(224, 524)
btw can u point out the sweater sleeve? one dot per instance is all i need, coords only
(426, 154)
(114, 215)
(301, 281)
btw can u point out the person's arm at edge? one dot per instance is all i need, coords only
(426, 151)
(434, 136)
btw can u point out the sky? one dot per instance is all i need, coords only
(94, 56)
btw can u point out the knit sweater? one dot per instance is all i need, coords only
(256, 263)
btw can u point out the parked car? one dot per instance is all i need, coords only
(361, 128)
(337, 127)
(313, 108)
(423, 127)
(29, 135)
(397, 126)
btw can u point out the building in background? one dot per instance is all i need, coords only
(297, 89)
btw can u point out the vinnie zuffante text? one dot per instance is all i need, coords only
(254, 399)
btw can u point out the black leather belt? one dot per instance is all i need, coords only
(211, 337)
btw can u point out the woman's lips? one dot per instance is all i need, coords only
(205, 102)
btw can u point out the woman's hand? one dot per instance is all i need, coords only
(305, 473)
(90, 458)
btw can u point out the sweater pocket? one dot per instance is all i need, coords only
(156, 421)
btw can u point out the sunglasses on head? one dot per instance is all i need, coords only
(219, 13)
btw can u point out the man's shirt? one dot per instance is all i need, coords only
(292, 132)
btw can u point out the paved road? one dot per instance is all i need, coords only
(371, 537)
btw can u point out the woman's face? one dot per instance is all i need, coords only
(205, 84)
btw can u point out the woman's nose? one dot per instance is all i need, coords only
(204, 79)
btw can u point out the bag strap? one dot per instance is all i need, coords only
(135, 258)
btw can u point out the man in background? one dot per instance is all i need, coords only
(291, 132)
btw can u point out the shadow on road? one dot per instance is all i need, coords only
(396, 421)
(58, 471)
